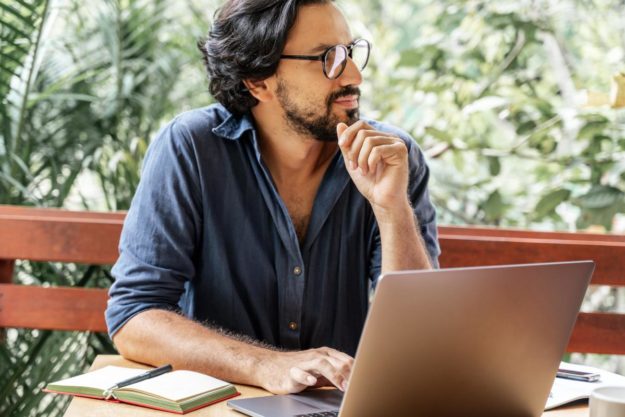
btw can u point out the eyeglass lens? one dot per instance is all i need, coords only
(336, 58)
(335, 61)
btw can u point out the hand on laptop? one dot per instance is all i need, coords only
(291, 372)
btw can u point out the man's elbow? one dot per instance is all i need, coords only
(127, 336)
(122, 342)
(141, 331)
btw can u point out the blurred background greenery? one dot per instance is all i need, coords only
(490, 90)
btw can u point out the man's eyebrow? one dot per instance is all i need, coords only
(323, 46)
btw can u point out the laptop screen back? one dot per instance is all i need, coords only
(468, 341)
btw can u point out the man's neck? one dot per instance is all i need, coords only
(290, 156)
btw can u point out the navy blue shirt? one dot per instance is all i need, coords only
(208, 235)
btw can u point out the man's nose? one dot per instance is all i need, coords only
(351, 75)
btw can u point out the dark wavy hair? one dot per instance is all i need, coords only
(245, 42)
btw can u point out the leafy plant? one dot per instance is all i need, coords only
(78, 108)
(489, 90)
(20, 34)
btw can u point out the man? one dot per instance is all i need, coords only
(261, 224)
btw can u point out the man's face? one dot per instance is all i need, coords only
(312, 104)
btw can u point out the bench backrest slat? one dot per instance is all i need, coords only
(599, 333)
(82, 309)
(52, 308)
(529, 234)
(483, 250)
(47, 235)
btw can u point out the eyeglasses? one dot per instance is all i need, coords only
(334, 58)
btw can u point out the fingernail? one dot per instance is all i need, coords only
(311, 380)
(344, 386)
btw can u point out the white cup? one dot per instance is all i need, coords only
(607, 402)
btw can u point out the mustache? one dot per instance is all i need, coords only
(347, 91)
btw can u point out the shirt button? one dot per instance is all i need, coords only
(297, 271)
(293, 325)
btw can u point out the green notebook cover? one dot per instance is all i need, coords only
(178, 391)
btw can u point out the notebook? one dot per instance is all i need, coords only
(566, 391)
(178, 391)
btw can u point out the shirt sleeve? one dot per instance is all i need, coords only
(160, 232)
(420, 199)
(423, 208)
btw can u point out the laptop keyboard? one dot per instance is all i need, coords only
(320, 414)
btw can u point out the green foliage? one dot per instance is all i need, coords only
(489, 90)
(84, 87)
(20, 32)
(549, 202)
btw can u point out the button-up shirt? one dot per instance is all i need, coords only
(207, 235)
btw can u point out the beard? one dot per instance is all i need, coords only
(306, 120)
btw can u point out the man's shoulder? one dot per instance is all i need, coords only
(203, 127)
(201, 119)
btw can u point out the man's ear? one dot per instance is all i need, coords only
(259, 89)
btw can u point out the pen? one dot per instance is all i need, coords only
(142, 377)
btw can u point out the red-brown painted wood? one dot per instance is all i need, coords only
(52, 308)
(520, 233)
(56, 308)
(59, 235)
(466, 250)
(6, 271)
(599, 333)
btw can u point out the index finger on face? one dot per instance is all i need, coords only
(350, 133)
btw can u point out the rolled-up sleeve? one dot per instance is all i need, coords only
(161, 231)
(420, 199)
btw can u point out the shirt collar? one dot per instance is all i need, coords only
(233, 127)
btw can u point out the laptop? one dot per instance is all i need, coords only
(483, 341)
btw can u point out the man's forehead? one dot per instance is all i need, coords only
(317, 27)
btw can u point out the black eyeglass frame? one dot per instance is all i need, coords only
(322, 57)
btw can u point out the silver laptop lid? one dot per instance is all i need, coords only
(482, 341)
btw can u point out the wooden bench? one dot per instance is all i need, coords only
(58, 236)
(92, 238)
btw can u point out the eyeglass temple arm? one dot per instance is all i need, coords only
(306, 57)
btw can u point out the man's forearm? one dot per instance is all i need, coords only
(378, 164)
(157, 337)
(402, 245)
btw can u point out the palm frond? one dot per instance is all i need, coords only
(88, 97)
(20, 27)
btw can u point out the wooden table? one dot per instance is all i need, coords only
(80, 407)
